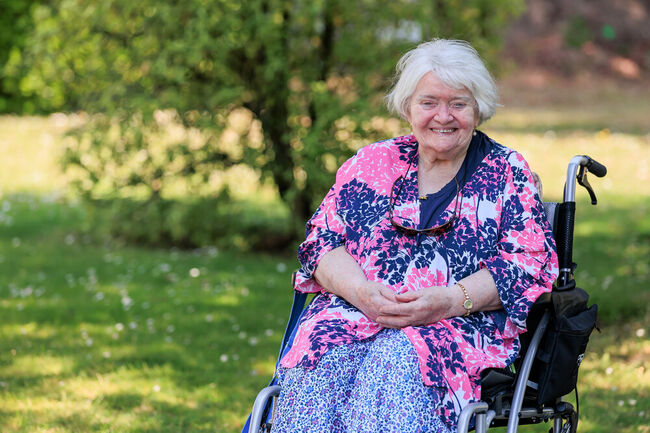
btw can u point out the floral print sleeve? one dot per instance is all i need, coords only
(325, 232)
(524, 267)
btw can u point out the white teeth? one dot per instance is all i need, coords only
(443, 130)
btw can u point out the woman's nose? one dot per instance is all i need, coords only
(443, 114)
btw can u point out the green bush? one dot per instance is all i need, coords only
(200, 223)
(179, 92)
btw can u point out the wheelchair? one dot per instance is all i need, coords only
(509, 397)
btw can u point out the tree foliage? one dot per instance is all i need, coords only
(16, 25)
(179, 91)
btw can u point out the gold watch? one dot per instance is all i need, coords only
(467, 303)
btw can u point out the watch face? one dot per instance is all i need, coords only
(468, 304)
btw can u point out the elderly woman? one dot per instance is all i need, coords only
(426, 255)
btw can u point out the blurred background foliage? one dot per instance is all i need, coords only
(189, 117)
(186, 104)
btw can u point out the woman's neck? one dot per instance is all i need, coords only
(435, 173)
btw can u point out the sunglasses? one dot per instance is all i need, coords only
(437, 230)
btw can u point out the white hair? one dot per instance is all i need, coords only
(455, 63)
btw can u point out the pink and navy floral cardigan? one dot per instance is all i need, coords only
(502, 227)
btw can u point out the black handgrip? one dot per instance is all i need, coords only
(596, 167)
(564, 240)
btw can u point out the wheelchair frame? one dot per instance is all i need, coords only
(514, 406)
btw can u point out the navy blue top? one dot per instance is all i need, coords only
(436, 203)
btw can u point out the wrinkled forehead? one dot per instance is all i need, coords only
(433, 87)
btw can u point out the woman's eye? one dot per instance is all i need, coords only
(458, 105)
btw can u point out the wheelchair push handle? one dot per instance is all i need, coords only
(595, 167)
(579, 166)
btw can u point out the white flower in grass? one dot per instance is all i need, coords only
(89, 342)
(106, 354)
(3, 384)
(99, 296)
(281, 267)
(209, 318)
(608, 281)
(632, 402)
(69, 239)
(20, 307)
(621, 403)
(268, 332)
(127, 302)
(253, 341)
(223, 358)
(133, 325)
(119, 327)
(164, 267)
(156, 388)
(640, 332)
(171, 329)
(195, 272)
(609, 371)
(169, 339)
(242, 335)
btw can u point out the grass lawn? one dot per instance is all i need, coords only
(100, 337)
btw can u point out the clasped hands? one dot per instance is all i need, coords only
(414, 308)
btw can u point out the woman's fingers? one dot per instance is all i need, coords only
(408, 296)
(414, 308)
(387, 293)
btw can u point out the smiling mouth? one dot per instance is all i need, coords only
(443, 131)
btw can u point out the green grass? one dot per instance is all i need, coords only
(97, 338)
(101, 337)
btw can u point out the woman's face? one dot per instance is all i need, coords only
(443, 118)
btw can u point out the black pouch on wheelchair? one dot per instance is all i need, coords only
(564, 344)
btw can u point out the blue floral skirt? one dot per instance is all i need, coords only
(369, 386)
